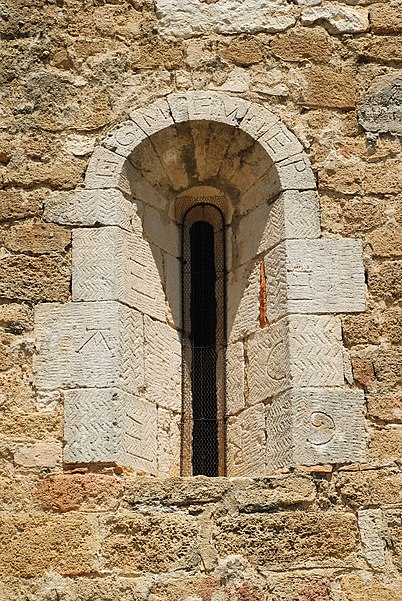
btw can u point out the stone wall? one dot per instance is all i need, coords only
(70, 71)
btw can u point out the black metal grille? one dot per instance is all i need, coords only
(203, 341)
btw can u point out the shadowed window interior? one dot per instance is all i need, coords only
(204, 341)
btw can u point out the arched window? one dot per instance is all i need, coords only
(204, 341)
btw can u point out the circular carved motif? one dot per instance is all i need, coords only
(322, 428)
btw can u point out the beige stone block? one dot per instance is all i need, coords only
(373, 531)
(173, 268)
(18, 204)
(109, 170)
(217, 107)
(153, 118)
(250, 16)
(235, 366)
(280, 143)
(243, 288)
(289, 539)
(40, 454)
(157, 542)
(161, 231)
(337, 19)
(322, 86)
(162, 365)
(37, 238)
(246, 443)
(257, 121)
(89, 207)
(277, 492)
(16, 317)
(386, 442)
(97, 345)
(386, 17)
(243, 52)
(300, 44)
(111, 264)
(360, 588)
(33, 545)
(369, 488)
(124, 138)
(169, 444)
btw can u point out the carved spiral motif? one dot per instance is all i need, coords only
(322, 428)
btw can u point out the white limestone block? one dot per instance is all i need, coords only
(112, 264)
(178, 107)
(295, 173)
(326, 425)
(153, 118)
(211, 106)
(246, 443)
(243, 289)
(257, 121)
(372, 528)
(162, 231)
(89, 207)
(293, 215)
(124, 138)
(162, 365)
(280, 143)
(337, 19)
(301, 350)
(315, 276)
(110, 426)
(235, 367)
(96, 345)
(186, 19)
(169, 444)
(109, 170)
(173, 290)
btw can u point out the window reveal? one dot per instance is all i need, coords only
(204, 341)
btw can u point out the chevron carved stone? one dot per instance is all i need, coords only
(89, 207)
(111, 264)
(326, 425)
(97, 345)
(246, 443)
(108, 425)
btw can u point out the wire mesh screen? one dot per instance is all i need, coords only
(204, 340)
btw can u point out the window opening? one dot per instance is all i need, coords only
(204, 341)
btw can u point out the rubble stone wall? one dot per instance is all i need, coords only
(71, 70)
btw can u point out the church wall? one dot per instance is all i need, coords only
(70, 71)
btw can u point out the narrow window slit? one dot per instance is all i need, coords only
(203, 421)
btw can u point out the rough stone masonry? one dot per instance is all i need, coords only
(312, 509)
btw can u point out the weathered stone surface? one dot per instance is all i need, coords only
(196, 18)
(243, 52)
(17, 204)
(95, 345)
(162, 365)
(386, 241)
(243, 288)
(336, 18)
(386, 17)
(111, 264)
(325, 87)
(370, 488)
(108, 170)
(324, 426)
(385, 405)
(293, 215)
(16, 391)
(110, 426)
(79, 492)
(36, 279)
(169, 443)
(89, 207)
(30, 426)
(235, 401)
(383, 178)
(385, 49)
(303, 45)
(40, 454)
(360, 329)
(275, 493)
(380, 111)
(289, 538)
(67, 544)
(246, 442)
(136, 543)
(16, 318)
(372, 530)
(386, 442)
(37, 238)
(385, 280)
(357, 588)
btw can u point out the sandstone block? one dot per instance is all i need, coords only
(386, 443)
(246, 443)
(79, 492)
(337, 19)
(357, 587)
(16, 317)
(243, 52)
(111, 264)
(110, 426)
(162, 364)
(322, 86)
(372, 530)
(109, 170)
(360, 329)
(366, 489)
(250, 16)
(380, 110)
(316, 426)
(89, 207)
(293, 215)
(386, 17)
(41, 454)
(386, 241)
(37, 238)
(16, 204)
(385, 280)
(385, 405)
(289, 538)
(96, 345)
(275, 493)
(136, 543)
(303, 45)
(35, 279)
(67, 545)
(234, 378)
(30, 426)
(315, 276)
